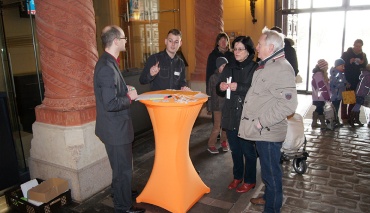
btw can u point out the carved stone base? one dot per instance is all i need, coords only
(72, 153)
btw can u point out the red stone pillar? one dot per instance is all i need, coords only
(208, 23)
(66, 34)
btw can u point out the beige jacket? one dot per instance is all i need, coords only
(271, 98)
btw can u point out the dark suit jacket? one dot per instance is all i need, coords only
(113, 116)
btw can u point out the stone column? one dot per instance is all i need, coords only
(64, 143)
(208, 23)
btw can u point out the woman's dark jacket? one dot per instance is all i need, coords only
(242, 73)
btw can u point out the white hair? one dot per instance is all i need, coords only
(274, 38)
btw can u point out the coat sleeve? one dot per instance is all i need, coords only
(291, 56)
(145, 77)
(211, 66)
(113, 89)
(285, 92)
(322, 87)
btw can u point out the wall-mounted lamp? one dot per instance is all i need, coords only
(253, 7)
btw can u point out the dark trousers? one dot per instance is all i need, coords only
(319, 107)
(242, 149)
(345, 112)
(120, 158)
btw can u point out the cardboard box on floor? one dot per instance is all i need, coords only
(47, 190)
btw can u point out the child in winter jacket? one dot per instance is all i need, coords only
(338, 83)
(215, 105)
(363, 89)
(320, 92)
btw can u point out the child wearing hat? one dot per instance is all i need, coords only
(338, 84)
(362, 90)
(215, 105)
(320, 92)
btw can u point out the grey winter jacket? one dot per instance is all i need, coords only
(271, 98)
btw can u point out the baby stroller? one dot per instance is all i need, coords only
(330, 115)
(294, 146)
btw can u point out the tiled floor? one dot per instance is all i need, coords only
(337, 179)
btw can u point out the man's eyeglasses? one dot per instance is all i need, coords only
(124, 38)
(238, 49)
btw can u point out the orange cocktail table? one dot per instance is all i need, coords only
(174, 183)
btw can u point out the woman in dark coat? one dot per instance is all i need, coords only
(241, 73)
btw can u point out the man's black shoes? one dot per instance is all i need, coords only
(134, 209)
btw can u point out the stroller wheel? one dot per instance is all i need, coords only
(299, 165)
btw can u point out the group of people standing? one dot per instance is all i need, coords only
(350, 72)
(250, 102)
(256, 101)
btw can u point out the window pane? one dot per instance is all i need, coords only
(359, 2)
(296, 4)
(326, 3)
(303, 26)
(326, 38)
(356, 29)
(147, 27)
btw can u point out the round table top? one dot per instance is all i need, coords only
(167, 98)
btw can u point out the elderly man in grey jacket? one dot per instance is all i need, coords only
(269, 101)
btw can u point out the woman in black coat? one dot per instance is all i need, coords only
(241, 73)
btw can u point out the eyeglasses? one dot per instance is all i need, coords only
(238, 49)
(124, 38)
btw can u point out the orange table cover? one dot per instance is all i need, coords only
(174, 184)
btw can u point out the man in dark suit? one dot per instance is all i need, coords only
(113, 117)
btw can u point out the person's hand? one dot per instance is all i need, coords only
(132, 92)
(223, 86)
(155, 69)
(233, 86)
(185, 88)
(352, 60)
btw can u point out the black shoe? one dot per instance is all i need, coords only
(134, 209)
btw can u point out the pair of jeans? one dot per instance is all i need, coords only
(272, 174)
(242, 149)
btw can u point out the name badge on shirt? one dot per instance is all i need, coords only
(177, 73)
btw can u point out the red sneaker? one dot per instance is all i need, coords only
(225, 146)
(213, 150)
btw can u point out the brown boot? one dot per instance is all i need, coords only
(357, 119)
(314, 123)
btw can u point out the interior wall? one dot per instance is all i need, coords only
(106, 13)
(167, 20)
(187, 21)
(19, 41)
(238, 18)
